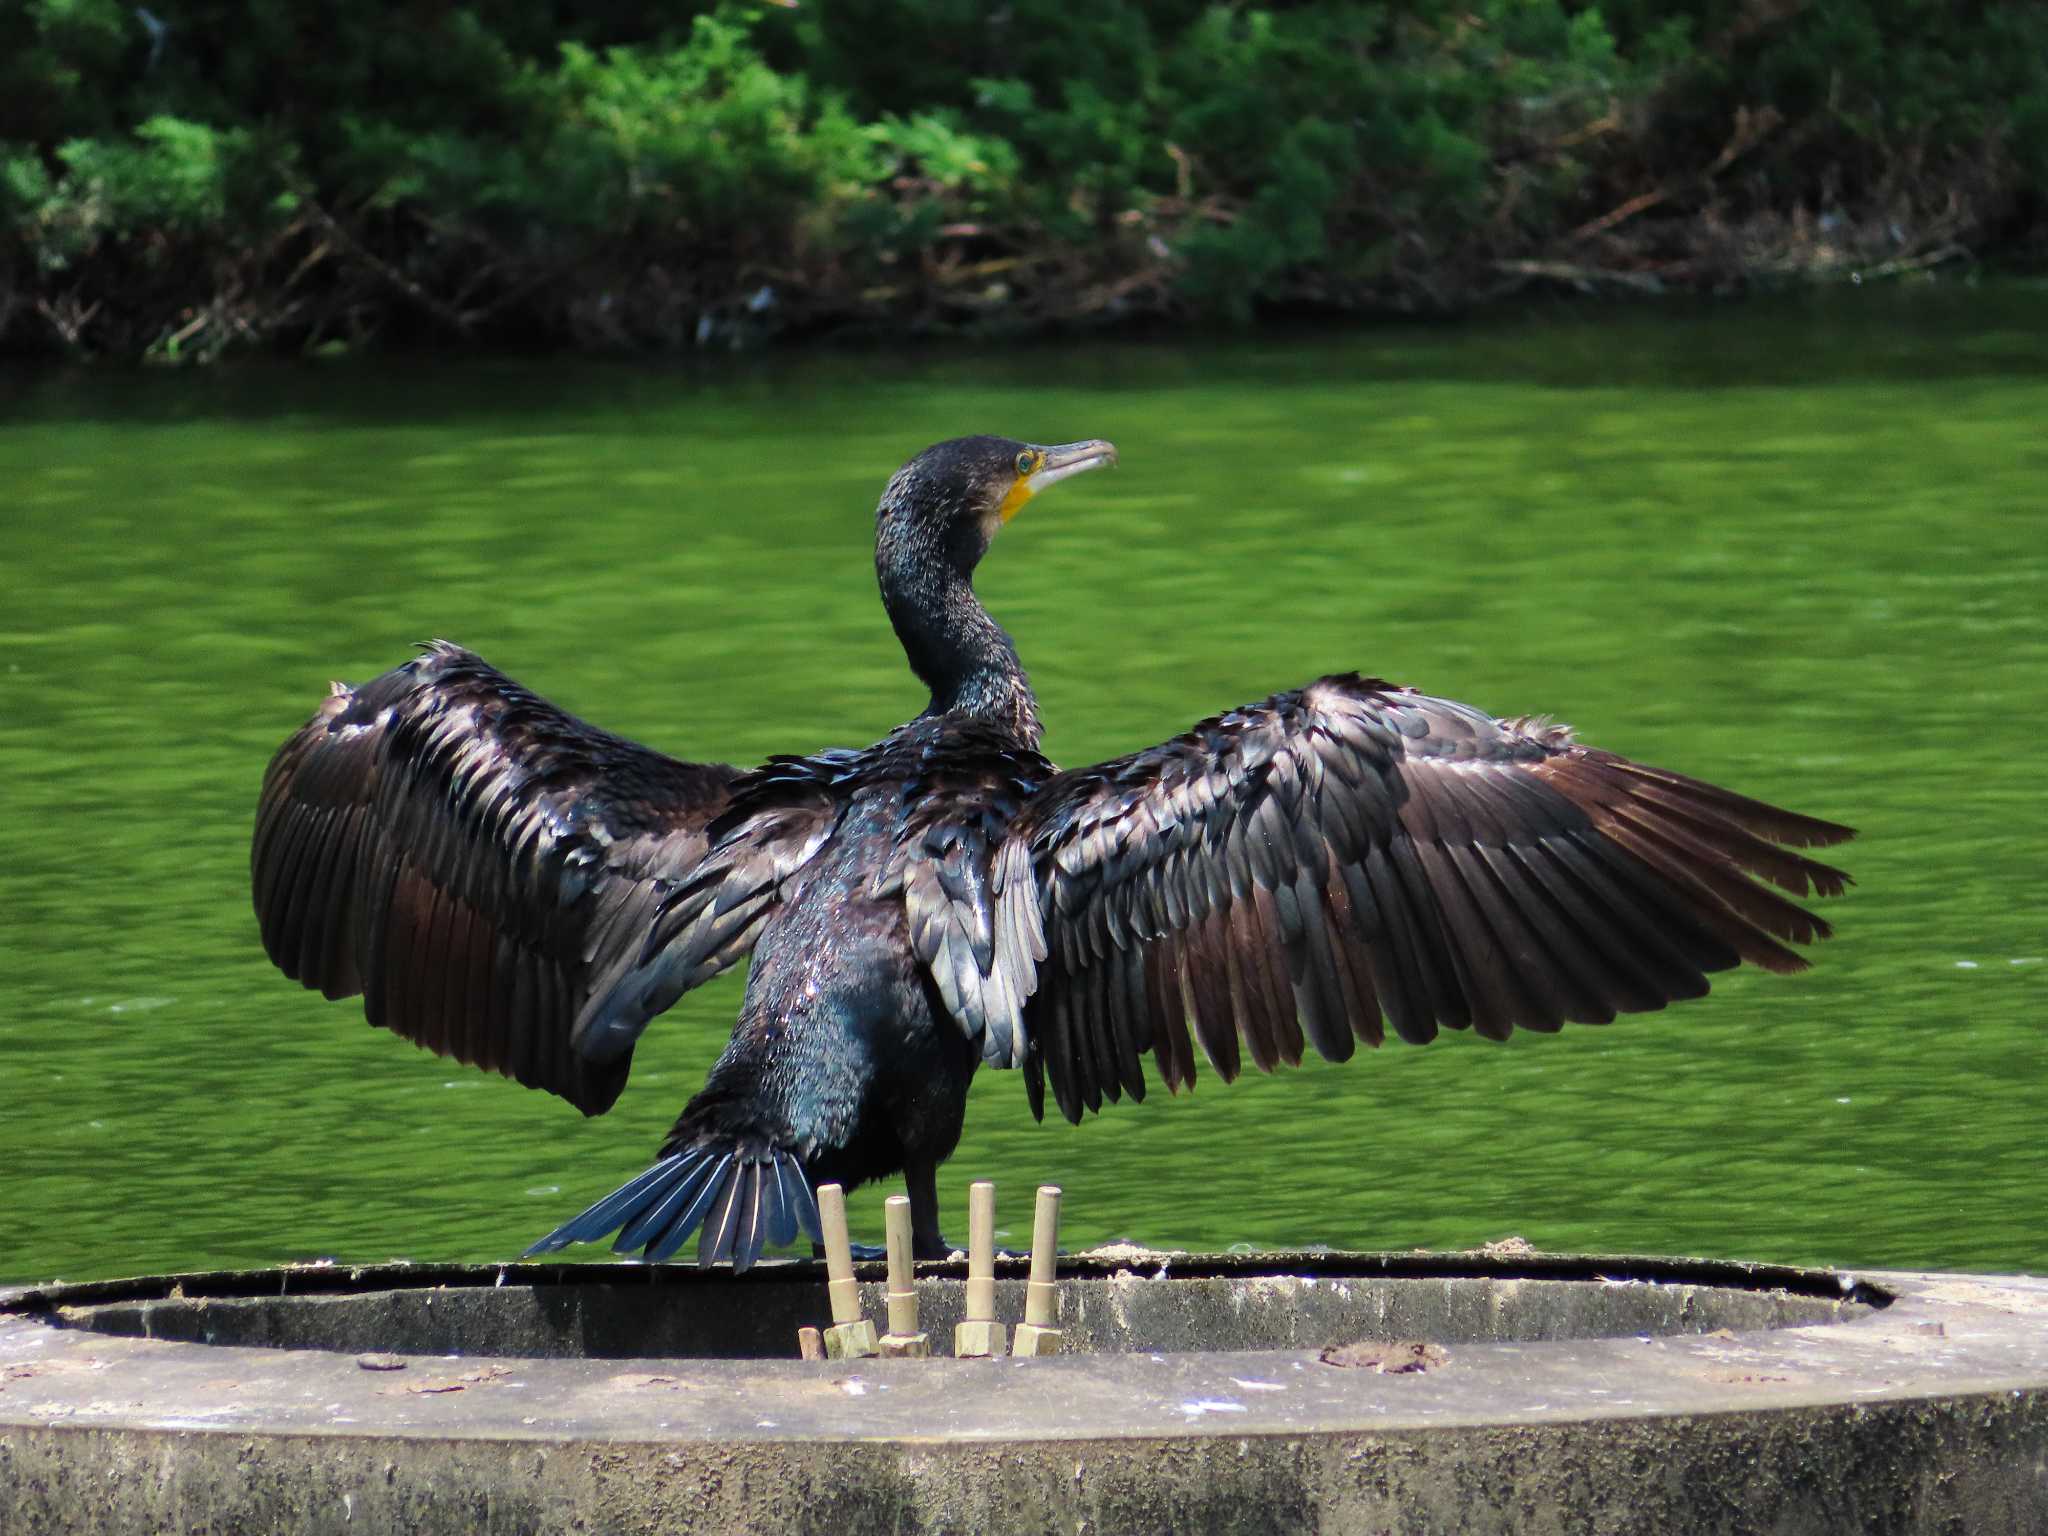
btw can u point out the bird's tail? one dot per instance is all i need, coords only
(738, 1196)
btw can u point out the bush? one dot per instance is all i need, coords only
(617, 173)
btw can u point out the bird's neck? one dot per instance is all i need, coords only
(958, 651)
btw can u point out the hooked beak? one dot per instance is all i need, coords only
(1054, 465)
(1071, 459)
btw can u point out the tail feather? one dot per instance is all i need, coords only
(760, 1232)
(744, 1198)
(799, 1206)
(621, 1205)
(680, 1208)
(720, 1234)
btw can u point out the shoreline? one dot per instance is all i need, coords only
(364, 304)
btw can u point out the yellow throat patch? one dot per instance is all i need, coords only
(1013, 503)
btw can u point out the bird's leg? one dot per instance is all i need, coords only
(922, 1181)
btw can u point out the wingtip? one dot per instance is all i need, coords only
(1824, 834)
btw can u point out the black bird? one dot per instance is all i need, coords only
(509, 886)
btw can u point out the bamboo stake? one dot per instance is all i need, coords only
(851, 1336)
(981, 1337)
(902, 1339)
(1039, 1333)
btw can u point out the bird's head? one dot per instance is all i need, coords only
(954, 497)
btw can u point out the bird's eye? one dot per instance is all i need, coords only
(1027, 461)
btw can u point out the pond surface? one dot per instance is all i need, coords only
(1798, 549)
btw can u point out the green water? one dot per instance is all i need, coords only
(1800, 550)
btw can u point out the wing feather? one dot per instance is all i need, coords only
(478, 865)
(1206, 993)
(1348, 928)
(1353, 856)
(1171, 1048)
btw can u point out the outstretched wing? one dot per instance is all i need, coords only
(479, 865)
(1352, 852)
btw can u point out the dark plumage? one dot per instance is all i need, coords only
(516, 889)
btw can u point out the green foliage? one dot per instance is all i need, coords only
(1219, 156)
(172, 176)
(922, 173)
(702, 137)
(706, 133)
(25, 187)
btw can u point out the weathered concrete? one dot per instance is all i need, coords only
(1116, 1305)
(1667, 1397)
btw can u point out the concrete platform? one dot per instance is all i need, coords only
(1338, 1392)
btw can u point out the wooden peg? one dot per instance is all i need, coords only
(1039, 1333)
(902, 1339)
(851, 1336)
(981, 1336)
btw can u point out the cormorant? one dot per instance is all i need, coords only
(516, 889)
